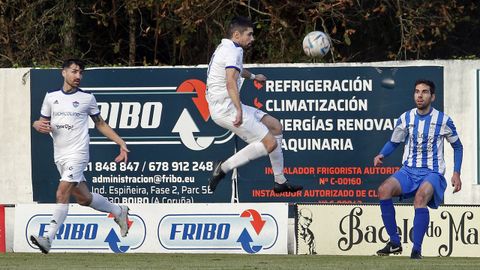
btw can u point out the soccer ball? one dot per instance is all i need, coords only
(316, 44)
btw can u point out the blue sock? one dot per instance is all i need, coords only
(420, 226)
(388, 217)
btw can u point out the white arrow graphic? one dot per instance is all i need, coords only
(185, 126)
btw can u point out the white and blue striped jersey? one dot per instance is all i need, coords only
(423, 137)
(227, 55)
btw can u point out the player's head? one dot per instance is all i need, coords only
(240, 31)
(424, 94)
(72, 61)
(72, 72)
(428, 83)
(305, 217)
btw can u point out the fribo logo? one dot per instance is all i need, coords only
(185, 125)
(132, 115)
(89, 232)
(200, 101)
(249, 231)
(160, 115)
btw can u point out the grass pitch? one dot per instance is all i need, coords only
(84, 261)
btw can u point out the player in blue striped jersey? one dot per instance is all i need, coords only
(423, 130)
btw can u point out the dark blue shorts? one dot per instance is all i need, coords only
(411, 179)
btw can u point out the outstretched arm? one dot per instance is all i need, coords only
(248, 75)
(108, 132)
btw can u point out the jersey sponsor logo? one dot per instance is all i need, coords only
(64, 126)
(89, 232)
(248, 231)
(67, 114)
(138, 114)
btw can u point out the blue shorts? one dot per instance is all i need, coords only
(411, 179)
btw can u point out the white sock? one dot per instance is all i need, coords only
(58, 217)
(242, 157)
(276, 158)
(101, 204)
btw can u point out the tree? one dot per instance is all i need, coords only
(173, 32)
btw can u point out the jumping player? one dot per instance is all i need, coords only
(262, 132)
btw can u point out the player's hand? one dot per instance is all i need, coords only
(123, 156)
(42, 126)
(238, 119)
(260, 78)
(456, 182)
(378, 160)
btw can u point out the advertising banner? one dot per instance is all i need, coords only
(154, 228)
(335, 120)
(162, 115)
(358, 230)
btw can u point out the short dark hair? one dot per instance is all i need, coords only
(67, 63)
(239, 24)
(427, 82)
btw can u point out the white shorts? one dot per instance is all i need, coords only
(251, 130)
(71, 171)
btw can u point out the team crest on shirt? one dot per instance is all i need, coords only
(75, 104)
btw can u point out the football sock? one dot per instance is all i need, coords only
(242, 157)
(101, 204)
(276, 158)
(420, 226)
(388, 217)
(58, 217)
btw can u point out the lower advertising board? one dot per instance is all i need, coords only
(166, 228)
(358, 230)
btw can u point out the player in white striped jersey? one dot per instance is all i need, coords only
(262, 132)
(64, 115)
(423, 130)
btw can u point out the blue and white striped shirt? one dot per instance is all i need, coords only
(423, 136)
